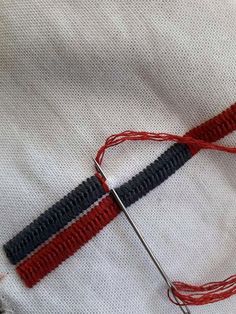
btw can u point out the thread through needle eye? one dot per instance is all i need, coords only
(169, 283)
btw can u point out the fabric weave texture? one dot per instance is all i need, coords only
(74, 72)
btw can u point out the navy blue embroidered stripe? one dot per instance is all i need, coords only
(154, 174)
(53, 219)
(89, 191)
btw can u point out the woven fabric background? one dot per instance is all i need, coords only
(74, 72)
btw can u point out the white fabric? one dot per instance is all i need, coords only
(74, 72)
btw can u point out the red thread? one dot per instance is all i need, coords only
(103, 181)
(68, 241)
(119, 138)
(197, 138)
(204, 294)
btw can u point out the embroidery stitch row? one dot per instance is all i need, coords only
(72, 205)
(52, 254)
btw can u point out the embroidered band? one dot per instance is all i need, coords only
(77, 234)
(52, 220)
(92, 189)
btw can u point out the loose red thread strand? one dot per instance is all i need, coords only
(204, 294)
(119, 138)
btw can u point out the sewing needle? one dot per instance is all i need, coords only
(169, 283)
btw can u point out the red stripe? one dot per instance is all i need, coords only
(68, 241)
(215, 128)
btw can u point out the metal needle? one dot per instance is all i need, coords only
(169, 283)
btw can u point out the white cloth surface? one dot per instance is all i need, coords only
(71, 74)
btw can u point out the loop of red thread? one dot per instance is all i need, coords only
(188, 294)
(119, 138)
